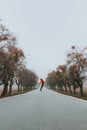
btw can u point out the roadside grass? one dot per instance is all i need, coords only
(15, 92)
(77, 95)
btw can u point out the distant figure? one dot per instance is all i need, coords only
(42, 84)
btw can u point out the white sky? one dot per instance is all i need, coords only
(46, 29)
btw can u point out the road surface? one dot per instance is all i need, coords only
(46, 110)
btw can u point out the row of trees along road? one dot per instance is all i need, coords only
(12, 66)
(72, 74)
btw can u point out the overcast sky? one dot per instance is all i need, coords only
(46, 29)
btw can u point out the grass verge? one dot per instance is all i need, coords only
(77, 95)
(15, 92)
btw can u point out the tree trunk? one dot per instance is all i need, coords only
(81, 90)
(18, 88)
(10, 88)
(5, 90)
(65, 88)
(70, 89)
(21, 86)
(74, 90)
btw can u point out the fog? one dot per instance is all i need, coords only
(45, 30)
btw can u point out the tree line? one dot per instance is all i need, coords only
(12, 65)
(72, 74)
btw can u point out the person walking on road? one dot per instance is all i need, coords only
(42, 84)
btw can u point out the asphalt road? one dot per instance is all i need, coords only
(46, 110)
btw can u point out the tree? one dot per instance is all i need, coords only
(29, 79)
(10, 58)
(62, 74)
(77, 61)
(51, 79)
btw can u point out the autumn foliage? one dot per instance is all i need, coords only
(12, 68)
(73, 74)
